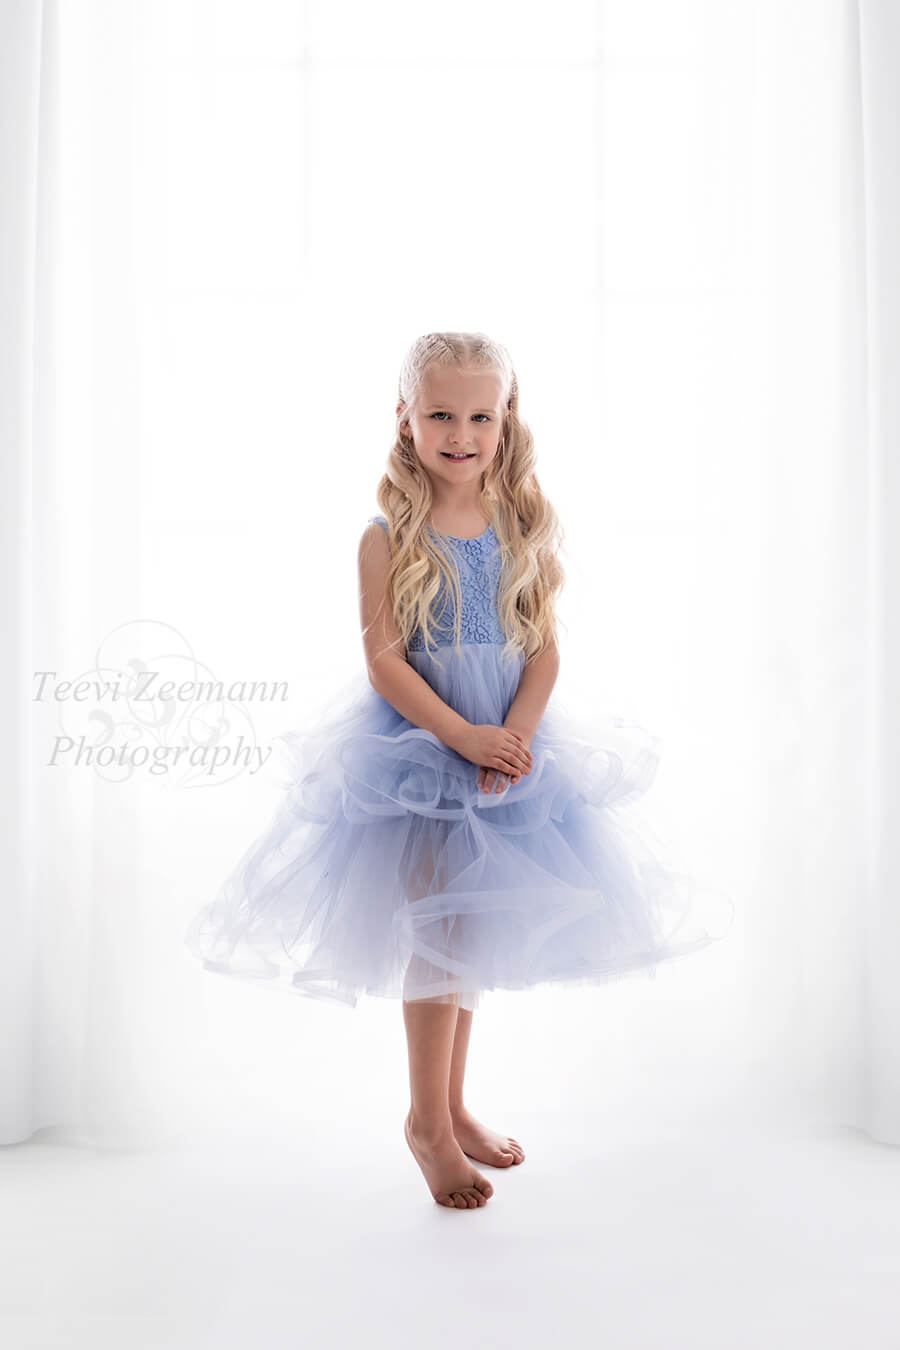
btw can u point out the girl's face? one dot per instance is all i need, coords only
(457, 412)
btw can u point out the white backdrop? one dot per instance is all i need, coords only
(220, 233)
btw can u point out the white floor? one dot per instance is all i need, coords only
(684, 1232)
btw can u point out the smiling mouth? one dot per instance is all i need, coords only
(448, 455)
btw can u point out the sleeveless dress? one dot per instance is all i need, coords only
(387, 871)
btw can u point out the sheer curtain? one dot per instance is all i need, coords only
(74, 1060)
(876, 258)
(220, 229)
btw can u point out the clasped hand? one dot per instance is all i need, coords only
(501, 753)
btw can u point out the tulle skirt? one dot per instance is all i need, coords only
(387, 872)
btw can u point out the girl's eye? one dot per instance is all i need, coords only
(443, 414)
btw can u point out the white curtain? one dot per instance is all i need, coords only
(220, 228)
(74, 1060)
(877, 260)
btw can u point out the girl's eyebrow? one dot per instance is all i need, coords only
(443, 406)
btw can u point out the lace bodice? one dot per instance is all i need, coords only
(478, 560)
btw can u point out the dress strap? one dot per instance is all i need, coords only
(381, 521)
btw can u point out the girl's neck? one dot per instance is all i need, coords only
(459, 523)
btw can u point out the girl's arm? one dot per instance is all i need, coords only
(527, 708)
(533, 692)
(390, 674)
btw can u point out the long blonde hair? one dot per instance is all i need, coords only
(524, 522)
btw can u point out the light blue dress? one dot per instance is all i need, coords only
(386, 870)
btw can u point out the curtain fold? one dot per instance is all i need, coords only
(24, 109)
(878, 54)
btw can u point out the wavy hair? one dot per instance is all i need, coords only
(525, 524)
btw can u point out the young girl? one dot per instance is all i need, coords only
(449, 830)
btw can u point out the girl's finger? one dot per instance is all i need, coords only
(494, 780)
(519, 757)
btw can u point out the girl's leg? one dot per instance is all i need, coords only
(481, 1143)
(458, 1061)
(430, 1025)
(450, 1175)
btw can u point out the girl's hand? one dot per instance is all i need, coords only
(490, 780)
(496, 748)
(488, 777)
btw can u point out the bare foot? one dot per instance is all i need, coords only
(450, 1177)
(487, 1146)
